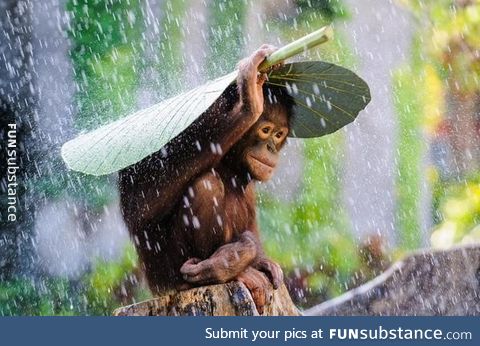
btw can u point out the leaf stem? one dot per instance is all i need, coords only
(296, 47)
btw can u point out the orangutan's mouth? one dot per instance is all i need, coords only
(264, 162)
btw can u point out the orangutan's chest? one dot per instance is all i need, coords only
(240, 213)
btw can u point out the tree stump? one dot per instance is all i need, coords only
(427, 283)
(231, 299)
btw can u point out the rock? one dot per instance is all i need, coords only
(232, 299)
(426, 283)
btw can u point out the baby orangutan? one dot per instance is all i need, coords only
(190, 207)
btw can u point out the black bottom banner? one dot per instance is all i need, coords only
(130, 331)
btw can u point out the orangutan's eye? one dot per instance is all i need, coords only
(266, 130)
(279, 134)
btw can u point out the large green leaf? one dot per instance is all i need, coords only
(128, 140)
(327, 97)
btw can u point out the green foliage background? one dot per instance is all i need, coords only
(444, 63)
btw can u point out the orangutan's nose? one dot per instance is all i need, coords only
(271, 147)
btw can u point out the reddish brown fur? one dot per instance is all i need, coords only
(191, 209)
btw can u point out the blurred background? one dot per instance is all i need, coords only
(341, 208)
